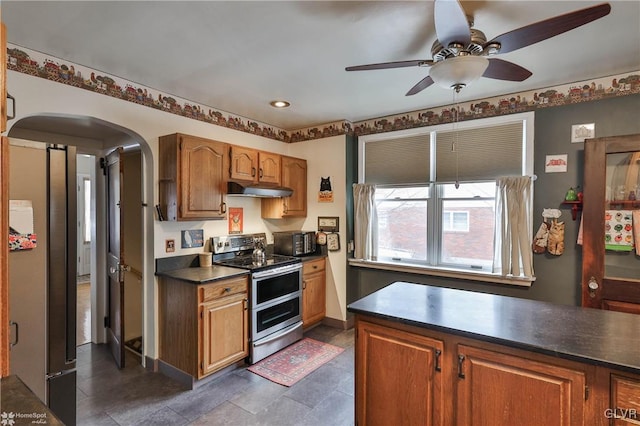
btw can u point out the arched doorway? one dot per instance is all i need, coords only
(95, 138)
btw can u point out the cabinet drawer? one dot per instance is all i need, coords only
(625, 400)
(313, 266)
(209, 292)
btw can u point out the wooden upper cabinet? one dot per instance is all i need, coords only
(192, 177)
(250, 165)
(269, 170)
(294, 175)
(244, 163)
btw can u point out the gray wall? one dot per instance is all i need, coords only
(558, 277)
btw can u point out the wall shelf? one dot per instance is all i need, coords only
(575, 206)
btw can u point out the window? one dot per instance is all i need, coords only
(455, 221)
(436, 188)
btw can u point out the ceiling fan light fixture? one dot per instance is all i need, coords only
(459, 71)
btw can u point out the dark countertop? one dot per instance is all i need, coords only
(17, 399)
(203, 275)
(599, 337)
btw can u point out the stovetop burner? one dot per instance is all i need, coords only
(239, 251)
(248, 261)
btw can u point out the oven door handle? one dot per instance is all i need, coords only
(277, 271)
(277, 335)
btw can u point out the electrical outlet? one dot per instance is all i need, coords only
(170, 246)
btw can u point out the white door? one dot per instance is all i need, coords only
(85, 192)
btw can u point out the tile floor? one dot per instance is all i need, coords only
(133, 396)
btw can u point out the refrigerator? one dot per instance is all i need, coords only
(43, 288)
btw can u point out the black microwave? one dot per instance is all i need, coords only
(294, 243)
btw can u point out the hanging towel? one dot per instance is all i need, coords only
(636, 230)
(618, 230)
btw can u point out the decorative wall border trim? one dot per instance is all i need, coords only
(41, 65)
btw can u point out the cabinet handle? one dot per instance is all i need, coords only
(304, 285)
(438, 353)
(246, 304)
(261, 173)
(11, 323)
(13, 107)
(227, 289)
(460, 362)
(253, 172)
(223, 207)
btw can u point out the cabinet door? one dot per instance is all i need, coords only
(244, 163)
(202, 181)
(499, 389)
(224, 333)
(398, 377)
(294, 175)
(625, 401)
(269, 169)
(610, 268)
(313, 297)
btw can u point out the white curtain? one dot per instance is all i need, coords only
(365, 219)
(513, 254)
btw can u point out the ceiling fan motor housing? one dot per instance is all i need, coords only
(475, 47)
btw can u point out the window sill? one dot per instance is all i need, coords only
(443, 272)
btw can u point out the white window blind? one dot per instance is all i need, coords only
(482, 153)
(397, 161)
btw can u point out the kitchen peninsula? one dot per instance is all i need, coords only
(433, 355)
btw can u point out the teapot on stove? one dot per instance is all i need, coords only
(258, 254)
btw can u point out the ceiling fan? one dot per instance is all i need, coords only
(461, 54)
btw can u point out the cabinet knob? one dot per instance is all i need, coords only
(227, 289)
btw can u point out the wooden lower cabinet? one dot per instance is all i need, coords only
(203, 328)
(314, 304)
(624, 408)
(494, 388)
(398, 377)
(408, 375)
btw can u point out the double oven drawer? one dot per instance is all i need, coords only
(211, 292)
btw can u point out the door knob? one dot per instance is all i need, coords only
(593, 286)
(112, 270)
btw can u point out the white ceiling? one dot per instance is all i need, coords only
(239, 55)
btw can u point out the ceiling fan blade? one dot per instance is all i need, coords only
(451, 22)
(422, 84)
(548, 28)
(505, 70)
(385, 65)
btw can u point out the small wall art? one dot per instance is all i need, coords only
(192, 238)
(235, 220)
(555, 163)
(325, 195)
(580, 132)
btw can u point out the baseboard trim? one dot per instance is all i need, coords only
(191, 382)
(336, 323)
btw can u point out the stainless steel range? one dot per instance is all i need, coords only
(276, 291)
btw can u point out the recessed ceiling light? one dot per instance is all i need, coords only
(279, 104)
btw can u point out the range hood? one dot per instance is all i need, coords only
(258, 190)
